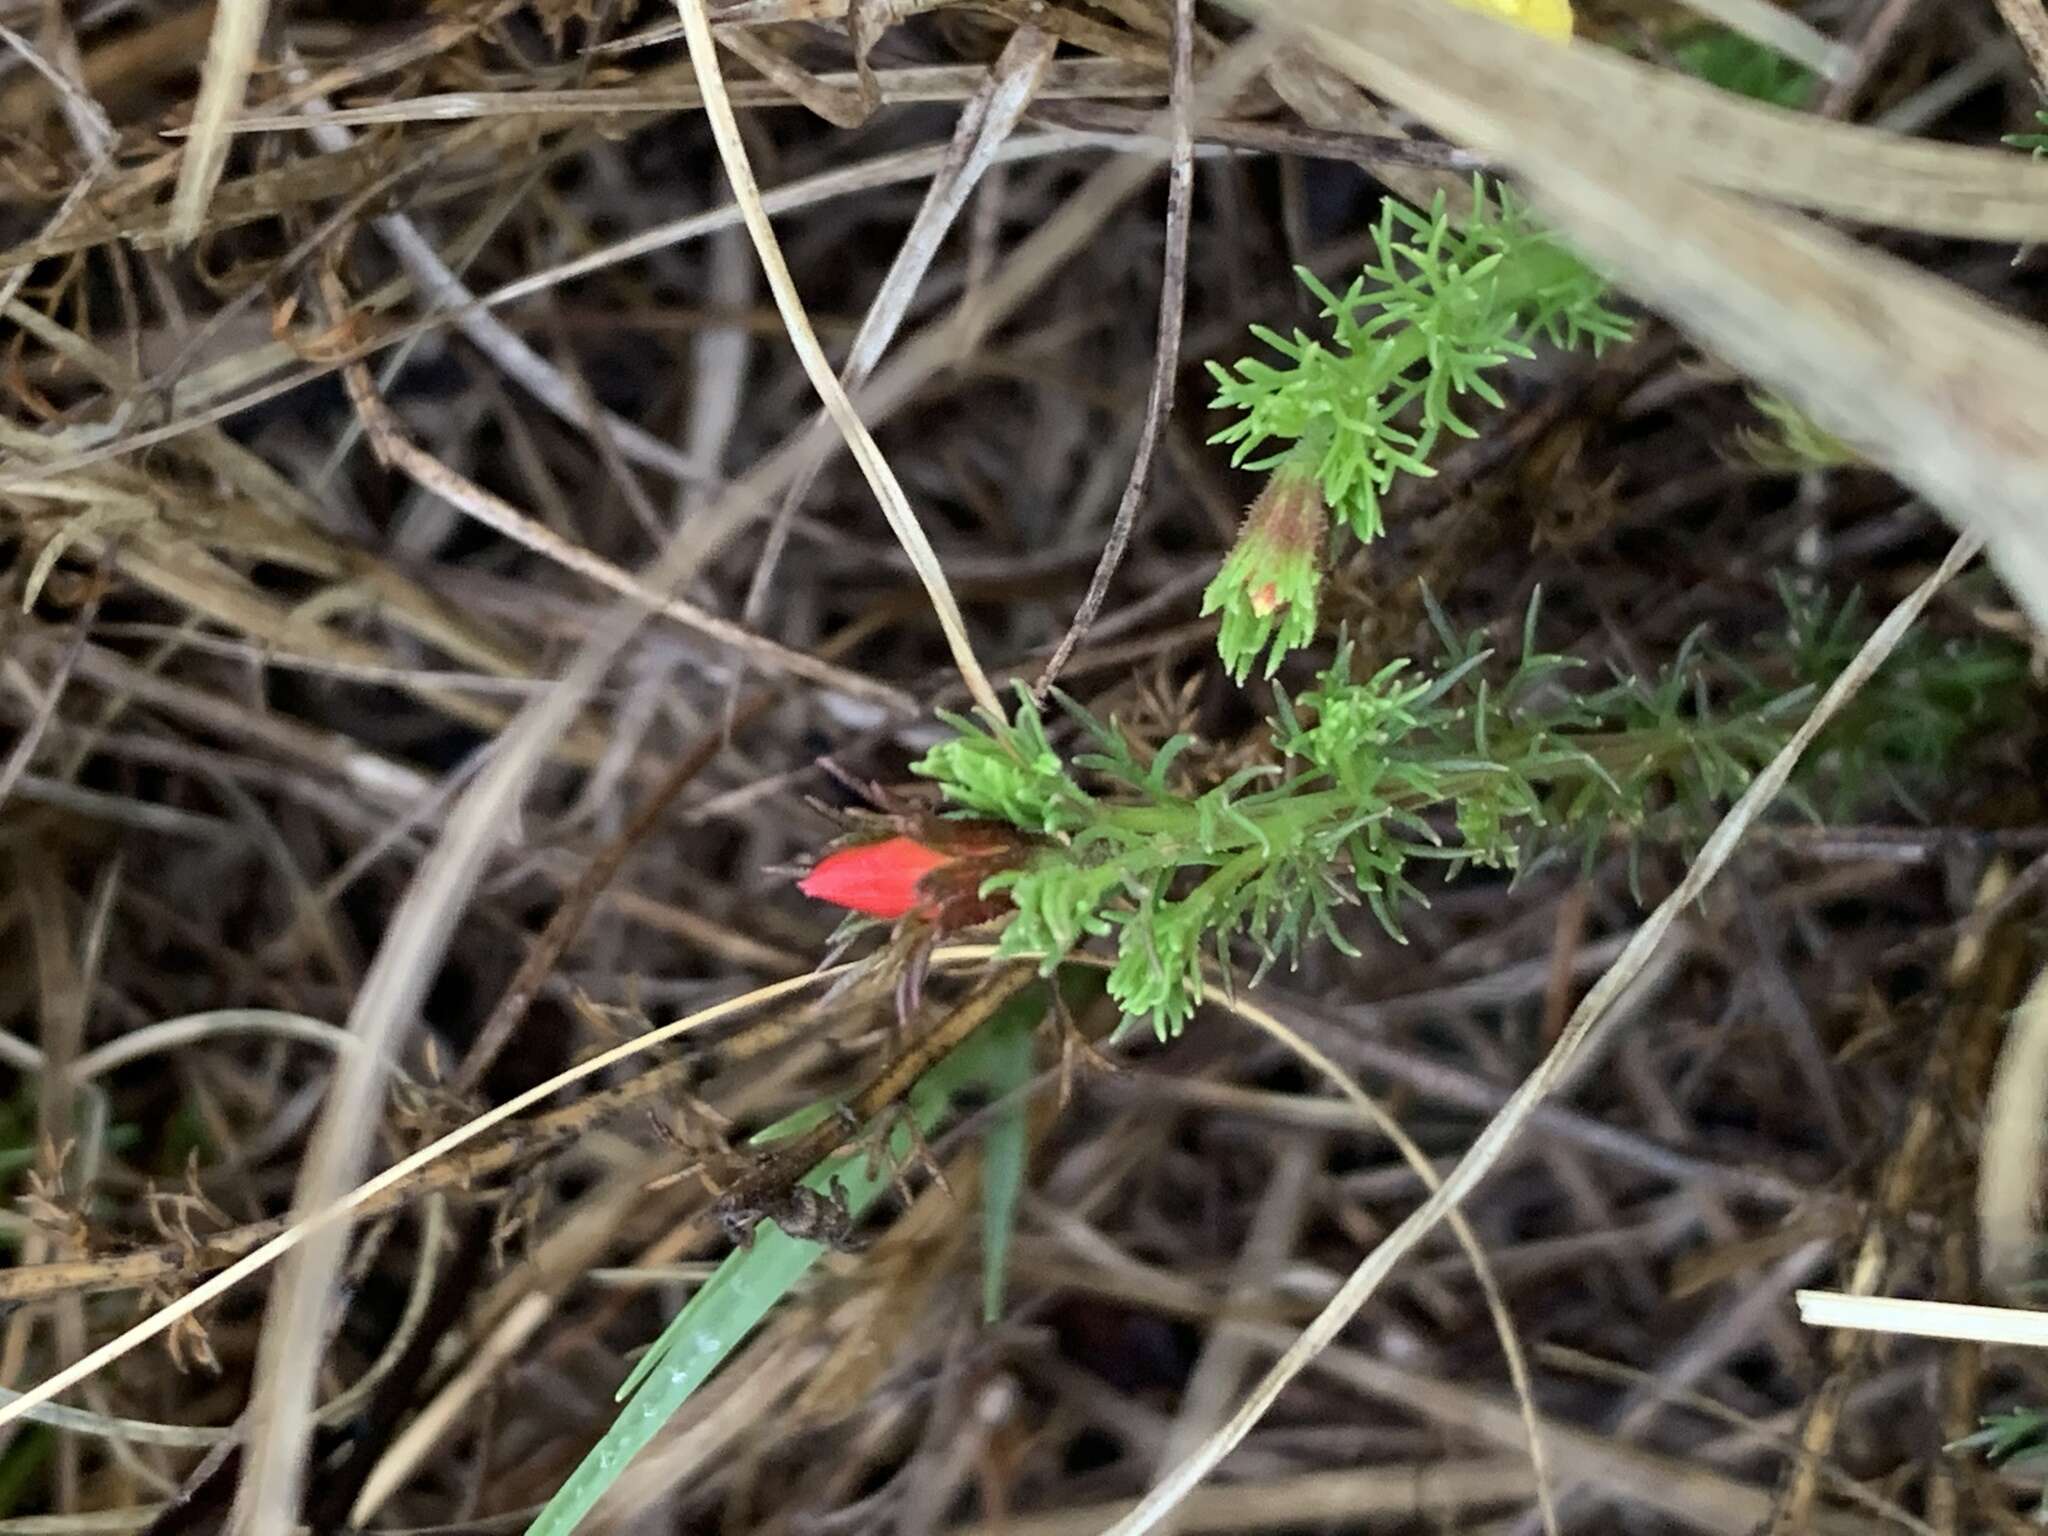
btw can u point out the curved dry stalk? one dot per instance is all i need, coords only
(1173, 286)
(107, 1426)
(984, 126)
(1232, 1001)
(294, 1327)
(725, 128)
(335, 1213)
(230, 57)
(191, 1028)
(2015, 1127)
(85, 117)
(1578, 1034)
(269, 1494)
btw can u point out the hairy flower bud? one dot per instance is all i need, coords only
(934, 873)
(1267, 587)
(879, 879)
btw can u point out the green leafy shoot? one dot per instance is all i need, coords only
(1920, 713)
(1269, 586)
(2005, 1435)
(1475, 761)
(1412, 342)
(752, 1280)
(2036, 142)
(1414, 335)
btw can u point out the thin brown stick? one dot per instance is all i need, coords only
(1089, 79)
(1446, 1494)
(792, 1159)
(985, 124)
(582, 895)
(430, 474)
(1366, 149)
(1173, 287)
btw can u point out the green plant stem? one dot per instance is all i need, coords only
(1290, 813)
(1366, 771)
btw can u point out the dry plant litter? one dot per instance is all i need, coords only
(1590, 804)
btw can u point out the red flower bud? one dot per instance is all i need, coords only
(933, 871)
(879, 879)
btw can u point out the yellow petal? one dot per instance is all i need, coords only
(1546, 18)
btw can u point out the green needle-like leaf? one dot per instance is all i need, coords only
(1480, 761)
(1003, 1152)
(747, 1286)
(1416, 332)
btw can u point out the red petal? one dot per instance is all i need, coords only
(879, 879)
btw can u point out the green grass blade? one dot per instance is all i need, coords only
(1003, 1155)
(740, 1293)
(746, 1287)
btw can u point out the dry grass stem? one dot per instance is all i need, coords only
(859, 441)
(2009, 1169)
(1924, 1319)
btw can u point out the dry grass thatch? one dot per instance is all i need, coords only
(480, 485)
